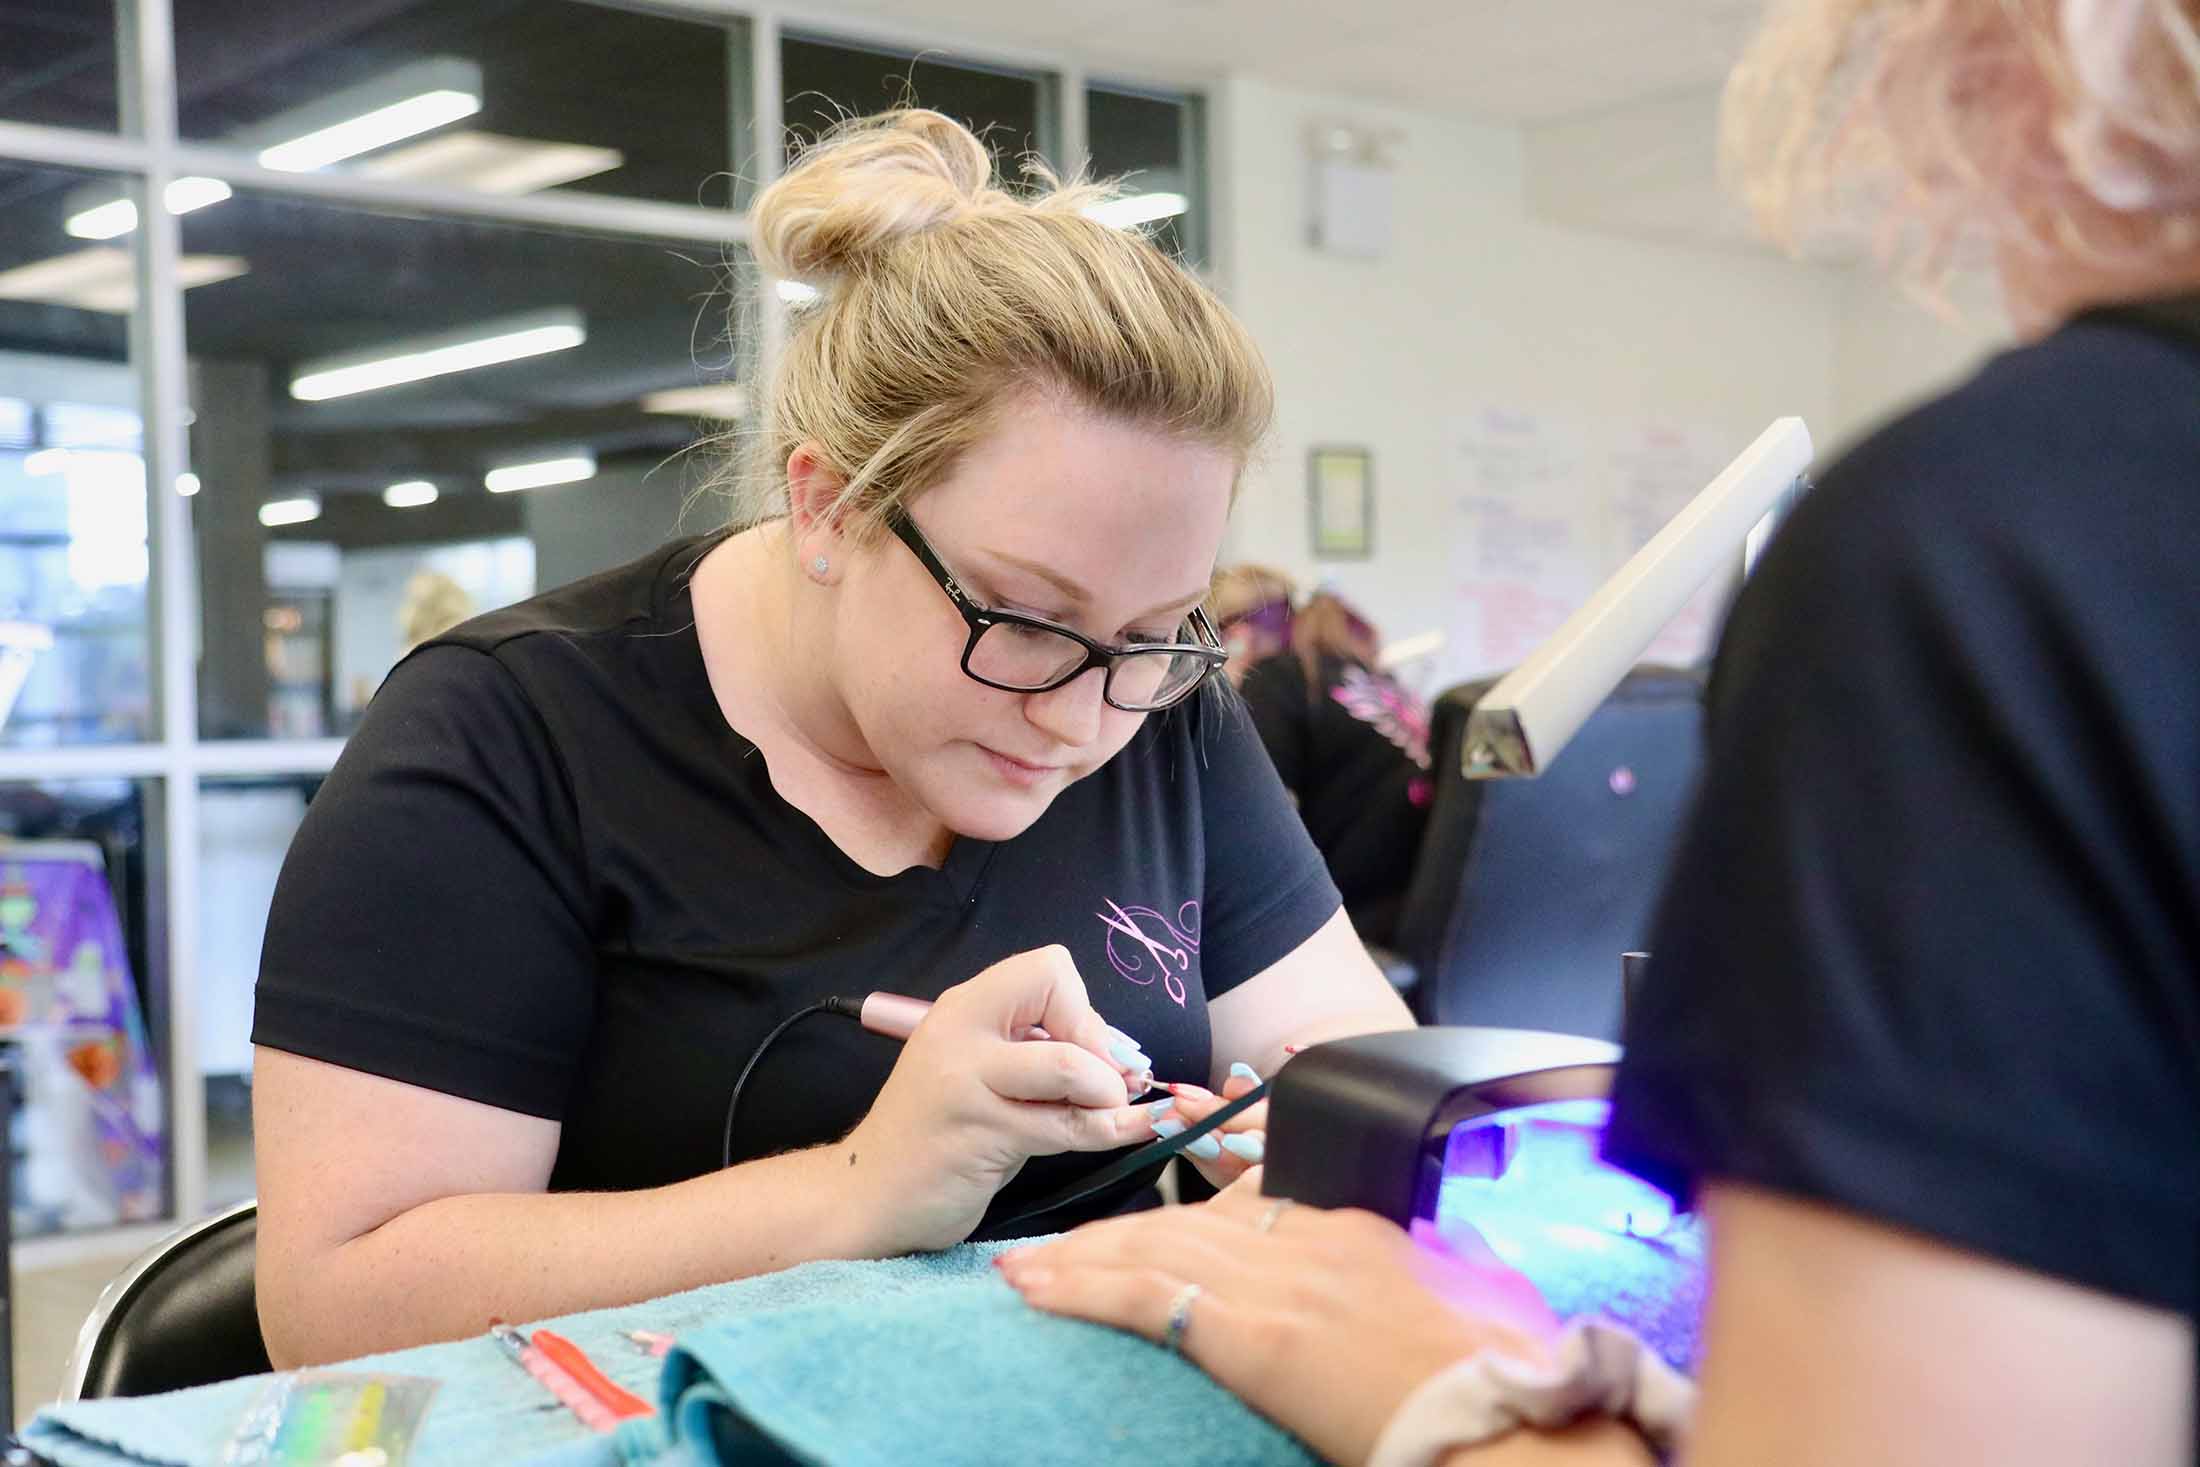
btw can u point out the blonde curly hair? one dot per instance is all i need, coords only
(2068, 129)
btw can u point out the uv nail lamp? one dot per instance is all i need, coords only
(1403, 1123)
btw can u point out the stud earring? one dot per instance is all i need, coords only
(819, 565)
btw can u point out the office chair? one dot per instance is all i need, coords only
(185, 1313)
(1526, 891)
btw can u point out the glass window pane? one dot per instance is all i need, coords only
(1152, 141)
(245, 827)
(59, 63)
(89, 1140)
(344, 515)
(508, 98)
(74, 658)
(825, 81)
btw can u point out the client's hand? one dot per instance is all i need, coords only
(1322, 1321)
(1223, 1155)
(971, 1099)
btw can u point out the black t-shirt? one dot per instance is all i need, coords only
(1930, 950)
(1356, 755)
(547, 876)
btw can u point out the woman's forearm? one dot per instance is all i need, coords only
(446, 1268)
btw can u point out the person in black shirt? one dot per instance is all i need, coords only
(1921, 1032)
(936, 722)
(1350, 743)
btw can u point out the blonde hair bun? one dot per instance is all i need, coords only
(864, 186)
(947, 296)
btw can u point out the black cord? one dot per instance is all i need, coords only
(1152, 1154)
(850, 1008)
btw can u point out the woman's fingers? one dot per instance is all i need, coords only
(1032, 1069)
(1242, 1141)
(1042, 989)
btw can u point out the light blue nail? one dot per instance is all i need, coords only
(1243, 1071)
(1129, 1055)
(1244, 1145)
(1160, 1108)
(1206, 1148)
(1171, 1127)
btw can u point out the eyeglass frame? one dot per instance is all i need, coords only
(981, 618)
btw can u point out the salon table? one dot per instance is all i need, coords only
(925, 1359)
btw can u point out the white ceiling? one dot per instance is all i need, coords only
(1491, 60)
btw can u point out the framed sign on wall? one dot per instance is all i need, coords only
(1340, 495)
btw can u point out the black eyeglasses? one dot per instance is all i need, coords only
(1022, 654)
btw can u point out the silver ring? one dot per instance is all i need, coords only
(1180, 1318)
(1273, 1211)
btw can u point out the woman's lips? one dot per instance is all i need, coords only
(1018, 771)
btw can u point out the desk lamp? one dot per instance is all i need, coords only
(1396, 1122)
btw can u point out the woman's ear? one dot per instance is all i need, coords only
(814, 514)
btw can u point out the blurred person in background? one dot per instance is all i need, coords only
(1350, 742)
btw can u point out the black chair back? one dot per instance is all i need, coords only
(185, 1313)
(1526, 891)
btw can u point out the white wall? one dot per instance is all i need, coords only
(1479, 304)
(1890, 351)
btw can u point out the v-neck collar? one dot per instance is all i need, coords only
(953, 882)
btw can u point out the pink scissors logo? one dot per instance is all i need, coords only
(1132, 949)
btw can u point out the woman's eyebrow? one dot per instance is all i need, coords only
(1076, 594)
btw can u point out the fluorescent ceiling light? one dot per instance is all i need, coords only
(795, 293)
(103, 278)
(1136, 209)
(397, 104)
(118, 216)
(541, 474)
(290, 511)
(489, 163)
(725, 402)
(187, 483)
(485, 345)
(409, 495)
(376, 129)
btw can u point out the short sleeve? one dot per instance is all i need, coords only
(1267, 890)
(430, 923)
(1928, 948)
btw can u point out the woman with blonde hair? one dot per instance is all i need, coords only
(930, 718)
(1922, 1032)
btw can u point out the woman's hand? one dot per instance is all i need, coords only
(1323, 1321)
(971, 1099)
(1222, 1155)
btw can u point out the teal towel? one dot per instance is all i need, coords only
(923, 1359)
(961, 1376)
